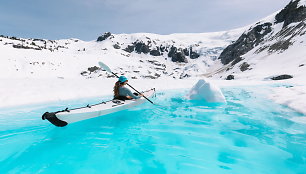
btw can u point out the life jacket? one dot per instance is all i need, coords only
(124, 97)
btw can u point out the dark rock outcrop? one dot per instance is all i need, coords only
(282, 77)
(291, 13)
(19, 46)
(129, 48)
(237, 60)
(155, 53)
(163, 49)
(186, 52)
(116, 46)
(177, 56)
(230, 77)
(141, 47)
(245, 43)
(172, 52)
(93, 69)
(84, 73)
(245, 66)
(285, 37)
(193, 55)
(104, 37)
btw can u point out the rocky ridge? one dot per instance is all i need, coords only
(273, 35)
(143, 55)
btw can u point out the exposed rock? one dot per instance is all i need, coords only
(282, 77)
(301, 65)
(291, 13)
(193, 55)
(141, 47)
(129, 48)
(110, 76)
(238, 59)
(280, 45)
(116, 46)
(19, 46)
(186, 51)
(155, 53)
(162, 48)
(245, 43)
(157, 75)
(84, 73)
(172, 52)
(93, 69)
(151, 77)
(156, 63)
(230, 77)
(285, 37)
(104, 37)
(181, 57)
(14, 38)
(177, 56)
(184, 76)
(245, 66)
(41, 40)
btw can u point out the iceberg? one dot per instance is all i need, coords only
(206, 91)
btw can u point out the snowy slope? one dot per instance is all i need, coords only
(73, 58)
(39, 70)
(272, 47)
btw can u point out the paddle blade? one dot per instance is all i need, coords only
(105, 67)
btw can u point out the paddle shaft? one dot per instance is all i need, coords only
(134, 89)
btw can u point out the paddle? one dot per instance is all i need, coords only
(105, 67)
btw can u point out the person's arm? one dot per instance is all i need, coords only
(129, 93)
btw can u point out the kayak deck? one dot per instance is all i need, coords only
(64, 117)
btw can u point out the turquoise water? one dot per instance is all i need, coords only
(250, 134)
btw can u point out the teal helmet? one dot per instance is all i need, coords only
(122, 79)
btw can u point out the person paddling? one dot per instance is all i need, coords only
(123, 93)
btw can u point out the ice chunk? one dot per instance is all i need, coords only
(206, 91)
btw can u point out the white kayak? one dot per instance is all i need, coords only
(67, 116)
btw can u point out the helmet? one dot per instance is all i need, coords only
(122, 79)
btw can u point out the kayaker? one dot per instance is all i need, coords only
(123, 93)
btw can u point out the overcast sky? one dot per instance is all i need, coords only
(87, 19)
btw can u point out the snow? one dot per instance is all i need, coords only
(57, 56)
(302, 3)
(15, 92)
(292, 96)
(60, 70)
(28, 91)
(206, 91)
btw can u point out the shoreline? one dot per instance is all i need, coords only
(49, 90)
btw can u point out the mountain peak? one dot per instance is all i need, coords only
(295, 11)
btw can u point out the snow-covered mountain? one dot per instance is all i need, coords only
(140, 55)
(273, 48)
(269, 48)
